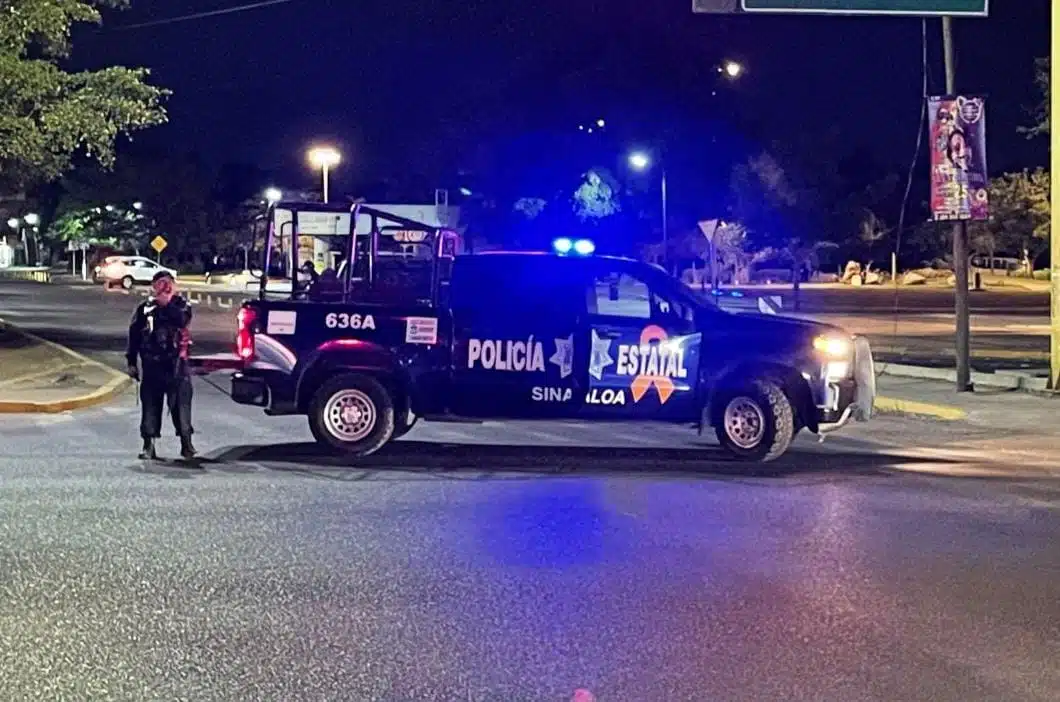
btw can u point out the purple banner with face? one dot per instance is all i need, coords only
(959, 183)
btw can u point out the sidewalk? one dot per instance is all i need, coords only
(39, 376)
(1004, 411)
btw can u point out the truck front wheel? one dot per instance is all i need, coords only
(352, 414)
(756, 422)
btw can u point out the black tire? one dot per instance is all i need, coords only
(777, 417)
(127, 282)
(364, 394)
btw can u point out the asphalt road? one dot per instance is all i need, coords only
(513, 561)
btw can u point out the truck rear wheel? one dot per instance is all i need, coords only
(755, 423)
(352, 414)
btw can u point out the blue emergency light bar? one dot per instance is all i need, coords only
(582, 247)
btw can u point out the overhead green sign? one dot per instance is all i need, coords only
(953, 8)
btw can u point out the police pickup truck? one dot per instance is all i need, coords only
(423, 330)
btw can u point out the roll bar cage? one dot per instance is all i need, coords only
(444, 244)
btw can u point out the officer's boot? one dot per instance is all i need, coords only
(147, 453)
(187, 450)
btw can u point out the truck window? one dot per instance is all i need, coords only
(620, 294)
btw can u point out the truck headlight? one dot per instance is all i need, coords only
(833, 347)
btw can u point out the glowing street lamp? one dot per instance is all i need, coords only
(639, 160)
(138, 205)
(732, 69)
(273, 195)
(32, 219)
(325, 158)
(13, 222)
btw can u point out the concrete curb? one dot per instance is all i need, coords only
(1001, 380)
(114, 387)
(893, 405)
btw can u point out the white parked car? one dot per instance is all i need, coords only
(129, 271)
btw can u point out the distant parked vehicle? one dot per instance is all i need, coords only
(128, 271)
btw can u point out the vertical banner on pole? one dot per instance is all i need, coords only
(959, 182)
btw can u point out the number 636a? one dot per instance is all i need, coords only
(341, 320)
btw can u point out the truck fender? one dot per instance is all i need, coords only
(790, 379)
(360, 357)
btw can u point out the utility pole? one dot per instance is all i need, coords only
(665, 229)
(961, 307)
(1054, 198)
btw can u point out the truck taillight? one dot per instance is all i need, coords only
(245, 333)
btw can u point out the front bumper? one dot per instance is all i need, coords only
(850, 398)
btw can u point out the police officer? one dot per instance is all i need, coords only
(159, 339)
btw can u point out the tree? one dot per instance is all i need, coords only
(49, 115)
(530, 207)
(597, 197)
(780, 214)
(1020, 214)
(1040, 114)
(121, 228)
(736, 254)
(174, 193)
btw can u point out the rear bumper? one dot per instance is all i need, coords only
(250, 390)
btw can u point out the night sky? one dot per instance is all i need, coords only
(403, 86)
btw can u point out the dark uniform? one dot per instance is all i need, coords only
(158, 339)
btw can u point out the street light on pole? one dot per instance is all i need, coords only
(273, 195)
(32, 220)
(732, 69)
(325, 158)
(640, 161)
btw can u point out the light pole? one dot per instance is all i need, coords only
(32, 220)
(325, 158)
(640, 161)
(16, 224)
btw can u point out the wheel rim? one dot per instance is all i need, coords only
(745, 423)
(349, 415)
(127, 283)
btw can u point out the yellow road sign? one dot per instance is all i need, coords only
(159, 244)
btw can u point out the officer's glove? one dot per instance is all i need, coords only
(133, 372)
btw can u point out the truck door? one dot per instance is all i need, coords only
(516, 349)
(644, 347)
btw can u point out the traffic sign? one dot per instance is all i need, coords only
(921, 8)
(159, 244)
(709, 227)
(952, 8)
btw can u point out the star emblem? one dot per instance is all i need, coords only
(600, 357)
(564, 356)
